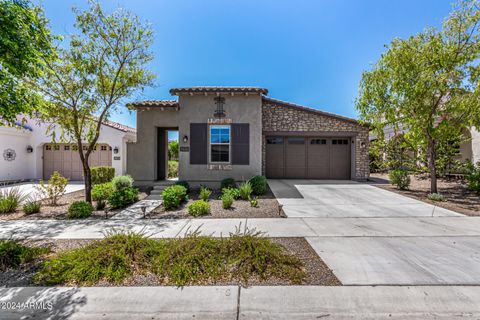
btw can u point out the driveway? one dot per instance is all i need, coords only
(29, 189)
(370, 236)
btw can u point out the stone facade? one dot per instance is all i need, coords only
(286, 117)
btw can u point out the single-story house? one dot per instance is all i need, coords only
(240, 132)
(27, 152)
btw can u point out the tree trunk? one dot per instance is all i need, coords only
(431, 165)
(88, 181)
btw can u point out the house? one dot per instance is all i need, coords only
(240, 132)
(28, 154)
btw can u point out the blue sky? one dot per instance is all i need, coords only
(307, 52)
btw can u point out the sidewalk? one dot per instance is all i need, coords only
(232, 302)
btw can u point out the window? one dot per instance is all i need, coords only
(219, 143)
(56, 147)
(274, 140)
(48, 147)
(296, 140)
(340, 141)
(103, 148)
(66, 148)
(318, 141)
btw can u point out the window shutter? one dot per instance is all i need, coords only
(198, 143)
(240, 143)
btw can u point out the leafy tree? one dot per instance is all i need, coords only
(104, 63)
(173, 150)
(25, 42)
(428, 83)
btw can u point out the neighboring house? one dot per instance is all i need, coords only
(239, 132)
(28, 154)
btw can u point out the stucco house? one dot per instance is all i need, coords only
(240, 132)
(28, 154)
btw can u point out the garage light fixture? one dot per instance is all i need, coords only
(29, 149)
(115, 150)
(185, 139)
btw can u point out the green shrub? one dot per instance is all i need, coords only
(173, 196)
(172, 168)
(102, 174)
(435, 196)
(101, 193)
(55, 188)
(473, 176)
(79, 210)
(254, 202)
(245, 190)
(122, 182)
(227, 200)
(228, 183)
(205, 193)
(31, 206)
(259, 185)
(123, 197)
(234, 192)
(190, 260)
(400, 178)
(199, 208)
(10, 199)
(13, 254)
(183, 184)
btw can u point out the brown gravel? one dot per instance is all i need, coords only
(60, 211)
(317, 271)
(268, 207)
(457, 196)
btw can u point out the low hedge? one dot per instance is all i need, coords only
(79, 210)
(102, 174)
(174, 195)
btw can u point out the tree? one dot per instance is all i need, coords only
(25, 42)
(173, 150)
(103, 64)
(428, 84)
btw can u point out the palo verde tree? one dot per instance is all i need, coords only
(25, 42)
(428, 84)
(104, 63)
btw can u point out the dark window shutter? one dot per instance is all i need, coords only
(240, 143)
(198, 143)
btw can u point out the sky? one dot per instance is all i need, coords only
(310, 52)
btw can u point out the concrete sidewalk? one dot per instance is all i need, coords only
(232, 302)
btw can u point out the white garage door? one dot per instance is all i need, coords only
(65, 159)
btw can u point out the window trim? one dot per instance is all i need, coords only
(229, 144)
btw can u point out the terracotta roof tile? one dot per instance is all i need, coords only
(153, 103)
(214, 89)
(119, 126)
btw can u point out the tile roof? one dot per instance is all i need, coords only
(153, 103)
(309, 109)
(214, 89)
(119, 126)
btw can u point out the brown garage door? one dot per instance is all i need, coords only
(64, 158)
(308, 157)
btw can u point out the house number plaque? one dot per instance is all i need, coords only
(184, 149)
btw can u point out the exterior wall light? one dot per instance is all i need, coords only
(363, 144)
(185, 139)
(29, 149)
(115, 150)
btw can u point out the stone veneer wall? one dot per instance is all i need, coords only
(279, 117)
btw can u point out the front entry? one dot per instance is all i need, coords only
(308, 157)
(162, 152)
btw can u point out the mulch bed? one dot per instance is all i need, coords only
(60, 211)
(268, 207)
(317, 271)
(457, 196)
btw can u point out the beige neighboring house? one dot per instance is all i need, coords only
(239, 132)
(28, 154)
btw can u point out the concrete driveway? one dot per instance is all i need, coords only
(29, 189)
(370, 236)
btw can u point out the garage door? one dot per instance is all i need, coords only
(308, 158)
(64, 158)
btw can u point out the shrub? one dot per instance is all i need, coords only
(123, 197)
(473, 176)
(79, 210)
(400, 178)
(183, 184)
(13, 254)
(254, 202)
(259, 185)
(101, 193)
(205, 193)
(199, 208)
(102, 174)
(173, 196)
(245, 190)
(10, 199)
(31, 206)
(55, 188)
(435, 196)
(122, 182)
(228, 183)
(234, 192)
(172, 168)
(227, 200)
